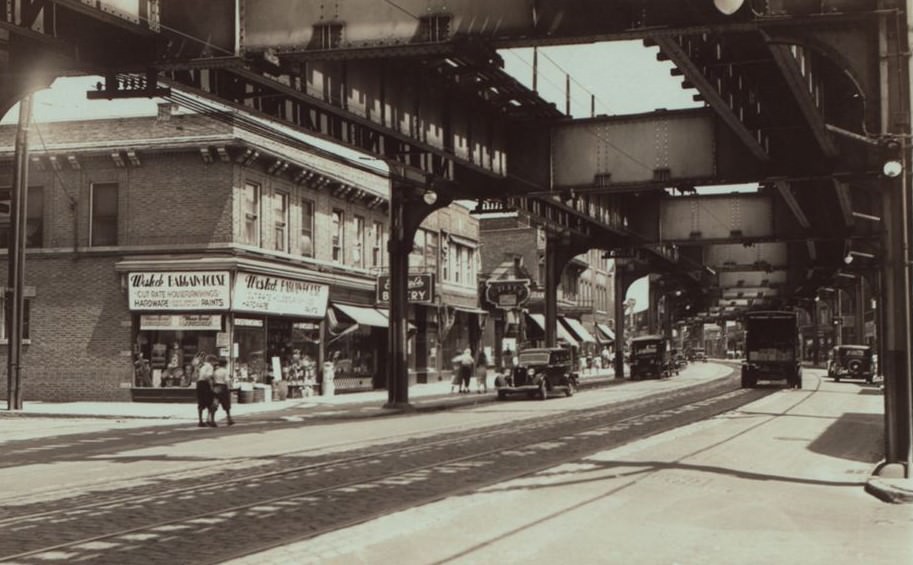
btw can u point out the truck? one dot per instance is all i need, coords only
(771, 348)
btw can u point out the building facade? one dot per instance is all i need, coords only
(514, 250)
(154, 240)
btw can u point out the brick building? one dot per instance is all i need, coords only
(514, 249)
(153, 239)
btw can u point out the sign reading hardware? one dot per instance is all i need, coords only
(277, 295)
(179, 290)
(420, 289)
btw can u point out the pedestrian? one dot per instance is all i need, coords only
(204, 390)
(466, 363)
(221, 393)
(481, 371)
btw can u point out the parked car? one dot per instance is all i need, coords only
(851, 362)
(540, 372)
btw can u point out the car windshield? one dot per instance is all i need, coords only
(534, 357)
(646, 348)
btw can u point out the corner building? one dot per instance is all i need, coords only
(152, 240)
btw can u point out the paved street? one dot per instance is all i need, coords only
(686, 456)
(776, 481)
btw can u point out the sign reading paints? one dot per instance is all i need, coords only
(179, 290)
(276, 295)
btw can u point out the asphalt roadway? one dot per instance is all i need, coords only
(785, 479)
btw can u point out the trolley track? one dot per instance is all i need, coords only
(202, 521)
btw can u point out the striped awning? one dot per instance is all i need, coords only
(606, 333)
(563, 334)
(583, 335)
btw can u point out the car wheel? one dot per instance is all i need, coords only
(836, 378)
(543, 390)
(502, 395)
(571, 387)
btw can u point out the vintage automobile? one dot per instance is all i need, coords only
(851, 362)
(651, 356)
(540, 372)
(698, 354)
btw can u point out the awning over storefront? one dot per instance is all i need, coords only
(577, 328)
(363, 315)
(605, 333)
(471, 310)
(539, 319)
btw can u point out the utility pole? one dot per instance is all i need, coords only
(16, 254)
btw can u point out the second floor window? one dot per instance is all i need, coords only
(250, 214)
(377, 254)
(338, 227)
(34, 229)
(307, 228)
(358, 250)
(431, 252)
(280, 221)
(103, 230)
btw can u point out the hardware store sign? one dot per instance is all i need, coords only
(179, 290)
(277, 295)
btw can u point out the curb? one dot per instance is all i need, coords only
(895, 491)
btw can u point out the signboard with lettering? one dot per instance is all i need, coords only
(507, 294)
(179, 290)
(186, 322)
(421, 288)
(278, 295)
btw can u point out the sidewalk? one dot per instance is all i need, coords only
(431, 396)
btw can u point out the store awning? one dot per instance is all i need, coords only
(539, 319)
(386, 314)
(363, 315)
(577, 328)
(471, 310)
(606, 333)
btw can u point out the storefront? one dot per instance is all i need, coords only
(265, 327)
(356, 345)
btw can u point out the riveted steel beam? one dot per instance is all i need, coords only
(663, 148)
(789, 198)
(797, 66)
(692, 72)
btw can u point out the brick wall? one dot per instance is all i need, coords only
(79, 331)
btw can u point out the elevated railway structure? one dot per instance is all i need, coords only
(808, 98)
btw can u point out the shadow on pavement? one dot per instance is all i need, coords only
(852, 436)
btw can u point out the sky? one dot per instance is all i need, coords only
(624, 78)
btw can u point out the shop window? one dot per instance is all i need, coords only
(4, 326)
(358, 250)
(34, 229)
(338, 221)
(250, 214)
(280, 221)
(307, 228)
(377, 256)
(103, 230)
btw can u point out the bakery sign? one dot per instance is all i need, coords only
(420, 288)
(507, 294)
